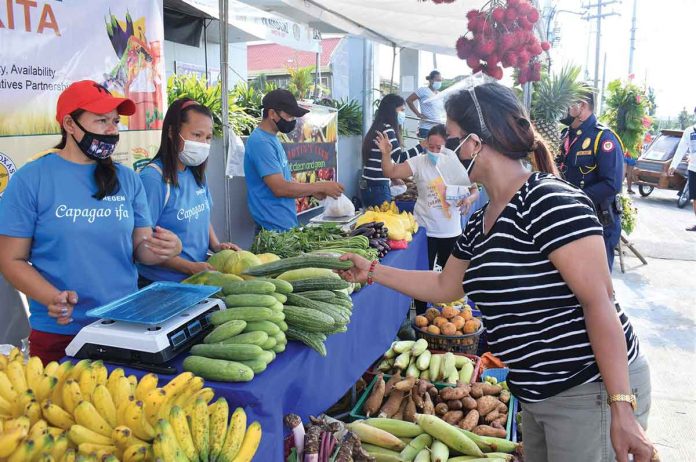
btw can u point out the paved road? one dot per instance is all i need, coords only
(660, 298)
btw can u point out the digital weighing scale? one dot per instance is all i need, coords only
(151, 326)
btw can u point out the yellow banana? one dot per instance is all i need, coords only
(121, 391)
(45, 387)
(206, 394)
(33, 371)
(186, 397)
(200, 428)
(51, 368)
(133, 380)
(99, 372)
(124, 438)
(136, 421)
(178, 383)
(180, 425)
(6, 407)
(121, 409)
(153, 402)
(23, 452)
(69, 456)
(9, 441)
(98, 449)
(60, 446)
(219, 413)
(113, 378)
(104, 404)
(80, 434)
(23, 399)
(19, 422)
(45, 457)
(87, 383)
(44, 444)
(33, 411)
(57, 416)
(80, 366)
(14, 354)
(252, 438)
(87, 416)
(147, 383)
(38, 430)
(15, 372)
(71, 395)
(110, 458)
(56, 432)
(3, 362)
(62, 374)
(170, 446)
(138, 453)
(235, 435)
(7, 391)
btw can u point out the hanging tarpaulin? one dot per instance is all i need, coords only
(47, 45)
(265, 25)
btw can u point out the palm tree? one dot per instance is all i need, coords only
(302, 82)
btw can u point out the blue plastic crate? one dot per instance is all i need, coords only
(500, 374)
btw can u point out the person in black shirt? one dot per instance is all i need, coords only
(533, 260)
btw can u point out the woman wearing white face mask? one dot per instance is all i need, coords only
(430, 113)
(178, 194)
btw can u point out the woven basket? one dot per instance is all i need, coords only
(467, 343)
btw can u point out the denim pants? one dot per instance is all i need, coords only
(375, 193)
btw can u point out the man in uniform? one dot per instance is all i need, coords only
(592, 160)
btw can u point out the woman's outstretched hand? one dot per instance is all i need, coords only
(358, 273)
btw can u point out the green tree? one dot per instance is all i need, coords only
(685, 119)
(302, 82)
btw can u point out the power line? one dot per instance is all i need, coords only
(633, 38)
(599, 15)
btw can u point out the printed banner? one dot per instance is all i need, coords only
(47, 45)
(311, 149)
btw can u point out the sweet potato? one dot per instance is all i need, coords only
(502, 408)
(423, 386)
(428, 407)
(487, 430)
(453, 417)
(469, 403)
(405, 384)
(502, 420)
(441, 409)
(417, 399)
(491, 416)
(392, 405)
(470, 421)
(410, 410)
(454, 405)
(504, 396)
(374, 401)
(400, 413)
(476, 390)
(390, 383)
(432, 391)
(486, 404)
(496, 424)
(448, 394)
(490, 389)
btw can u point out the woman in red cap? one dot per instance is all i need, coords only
(72, 222)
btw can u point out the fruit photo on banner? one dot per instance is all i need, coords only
(501, 35)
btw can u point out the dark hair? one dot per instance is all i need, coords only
(439, 130)
(386, 114)
(168, 152)
(510, 131)
(588, 96)
(264, 113)
(105, 174)
(430, 77)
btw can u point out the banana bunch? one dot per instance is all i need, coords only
(68, 412)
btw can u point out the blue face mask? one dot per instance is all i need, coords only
(437, 85)
(401, 117)
(433, 157)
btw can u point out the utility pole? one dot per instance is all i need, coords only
(633, 38)
(604, 85)
(599, 16)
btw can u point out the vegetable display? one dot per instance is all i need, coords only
(450, 320)
(413, 360)
(401, 226)
(68, 412)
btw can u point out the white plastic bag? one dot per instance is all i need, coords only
(341, 207)
(235, 157)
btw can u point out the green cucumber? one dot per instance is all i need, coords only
(218, 369)
(319, 284)
(281, 287)
(311, 339)
(283, 326)
(300, 262)
(267, 356)
(320, 295)
(281, 338)
(248, 287)
(225, 331)
(256, 365)
(335, 312)
(248, 338)
(248, 314)
(279, 348)
(264, 326)
(230, 352)
(308, 319)
(269, 344)
(282, 298)
(250, 300)
(277, 317)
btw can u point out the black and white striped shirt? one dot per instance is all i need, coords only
(372, 170)
(534, 322)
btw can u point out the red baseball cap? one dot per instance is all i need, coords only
(90, 96)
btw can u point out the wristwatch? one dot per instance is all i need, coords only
(620, 398)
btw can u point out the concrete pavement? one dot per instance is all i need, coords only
(660, 299)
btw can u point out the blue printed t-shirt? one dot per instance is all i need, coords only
(78, 242)
(264, 156)
(186, 214)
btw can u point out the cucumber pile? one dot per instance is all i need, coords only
(247, 335)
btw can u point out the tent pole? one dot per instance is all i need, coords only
(391, 84)
(224, 51)
(205, 51)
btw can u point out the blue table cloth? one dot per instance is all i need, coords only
(301, 381)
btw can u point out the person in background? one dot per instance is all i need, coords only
(177, 191)
(72, 222)
(440, 218)
(687, 148)
(593, 160)
(533, 261)
(388, 121)
(271, 192)
(430, 113)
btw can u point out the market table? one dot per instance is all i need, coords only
(301, 381)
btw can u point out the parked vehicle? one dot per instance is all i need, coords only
(651, 170)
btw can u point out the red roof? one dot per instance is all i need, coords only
(273, 58)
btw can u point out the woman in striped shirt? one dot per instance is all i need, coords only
(390, 117)
(533, 260)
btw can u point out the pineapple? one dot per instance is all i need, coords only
(550, 100)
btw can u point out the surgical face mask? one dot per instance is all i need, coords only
(433, 156)
(437, 85)
(95, 146)
(401, 117)
(194, 153)
(467, 163)
(285, 126)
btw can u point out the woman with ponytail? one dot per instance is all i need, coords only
(533, 260)
(72, 222)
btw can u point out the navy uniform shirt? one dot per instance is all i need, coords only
(593, 161)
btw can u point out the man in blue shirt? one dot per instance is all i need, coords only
(271, 192)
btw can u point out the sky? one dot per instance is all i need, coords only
(665, 55)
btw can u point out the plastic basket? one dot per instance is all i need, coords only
(467, 343)
(372, 371)
(500, 374)
(357, 414)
